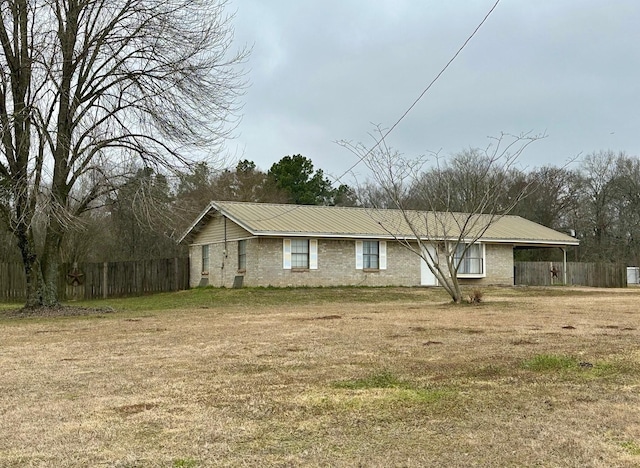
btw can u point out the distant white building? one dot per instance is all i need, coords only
(633, 275)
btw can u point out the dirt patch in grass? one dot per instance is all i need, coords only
(134, 409)
(327, 317)
(402, 379)
(57, 311)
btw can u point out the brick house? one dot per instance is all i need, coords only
(261, 244)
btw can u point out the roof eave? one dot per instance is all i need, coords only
(215, 206)
(195, 223)
(407, 237)
(550, 243)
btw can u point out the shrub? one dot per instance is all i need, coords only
(475, 297)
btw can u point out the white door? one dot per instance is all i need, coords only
(427, 278)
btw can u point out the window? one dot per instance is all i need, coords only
(242, 255)
(370, 253)
(470, 262)
(299, 253)
(205, 259)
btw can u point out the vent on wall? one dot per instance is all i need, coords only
(237, 281)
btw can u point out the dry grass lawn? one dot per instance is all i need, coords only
(328, 377)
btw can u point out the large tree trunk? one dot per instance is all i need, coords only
(50, 262)
(32, 271)
(49, 286)
(41, 272)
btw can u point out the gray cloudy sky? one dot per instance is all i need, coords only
(322, 71)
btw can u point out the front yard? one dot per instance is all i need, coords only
(327, 377)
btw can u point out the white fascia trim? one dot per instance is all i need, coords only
(324, 235)
(195, 223)
(214, 206)
(521, 243)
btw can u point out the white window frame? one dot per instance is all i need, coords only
(466, 260)
(382, 255)
(312, 254)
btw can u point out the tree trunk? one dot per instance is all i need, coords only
(50, 264)
(49, 288)
(31, 266)
(41, 274)
(454, 290)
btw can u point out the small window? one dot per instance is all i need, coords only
(370, 255)
(470, 262)
(242, 255)
(205, 259)
(299, 253)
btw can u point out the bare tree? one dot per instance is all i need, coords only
(88, 85)
(593, 215)
(627, 208)
(448, 206)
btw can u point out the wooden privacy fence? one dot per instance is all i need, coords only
(602, 275)
(103, 280)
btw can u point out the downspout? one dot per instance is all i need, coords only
(224, 253)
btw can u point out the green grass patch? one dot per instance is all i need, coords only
(253, 298)
(379, 380)
(218, 298)
(576, 370)
(184, 463)
(631, 447)
(403, 391)
(617, 370)
(549, 362)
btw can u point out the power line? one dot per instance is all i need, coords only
(363, 157)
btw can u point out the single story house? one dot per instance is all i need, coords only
(232, 244)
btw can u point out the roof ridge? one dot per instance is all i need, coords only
(290, 205)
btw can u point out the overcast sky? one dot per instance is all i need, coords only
(322, 71)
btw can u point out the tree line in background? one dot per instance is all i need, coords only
(597, 199)
(144, 216)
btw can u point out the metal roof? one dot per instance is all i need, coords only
(266, 219)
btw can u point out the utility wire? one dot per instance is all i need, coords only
(363, 157)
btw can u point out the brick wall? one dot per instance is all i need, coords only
(336, 266)
(499, 266)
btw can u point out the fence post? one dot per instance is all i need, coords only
(176, 280)
(105, 275)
